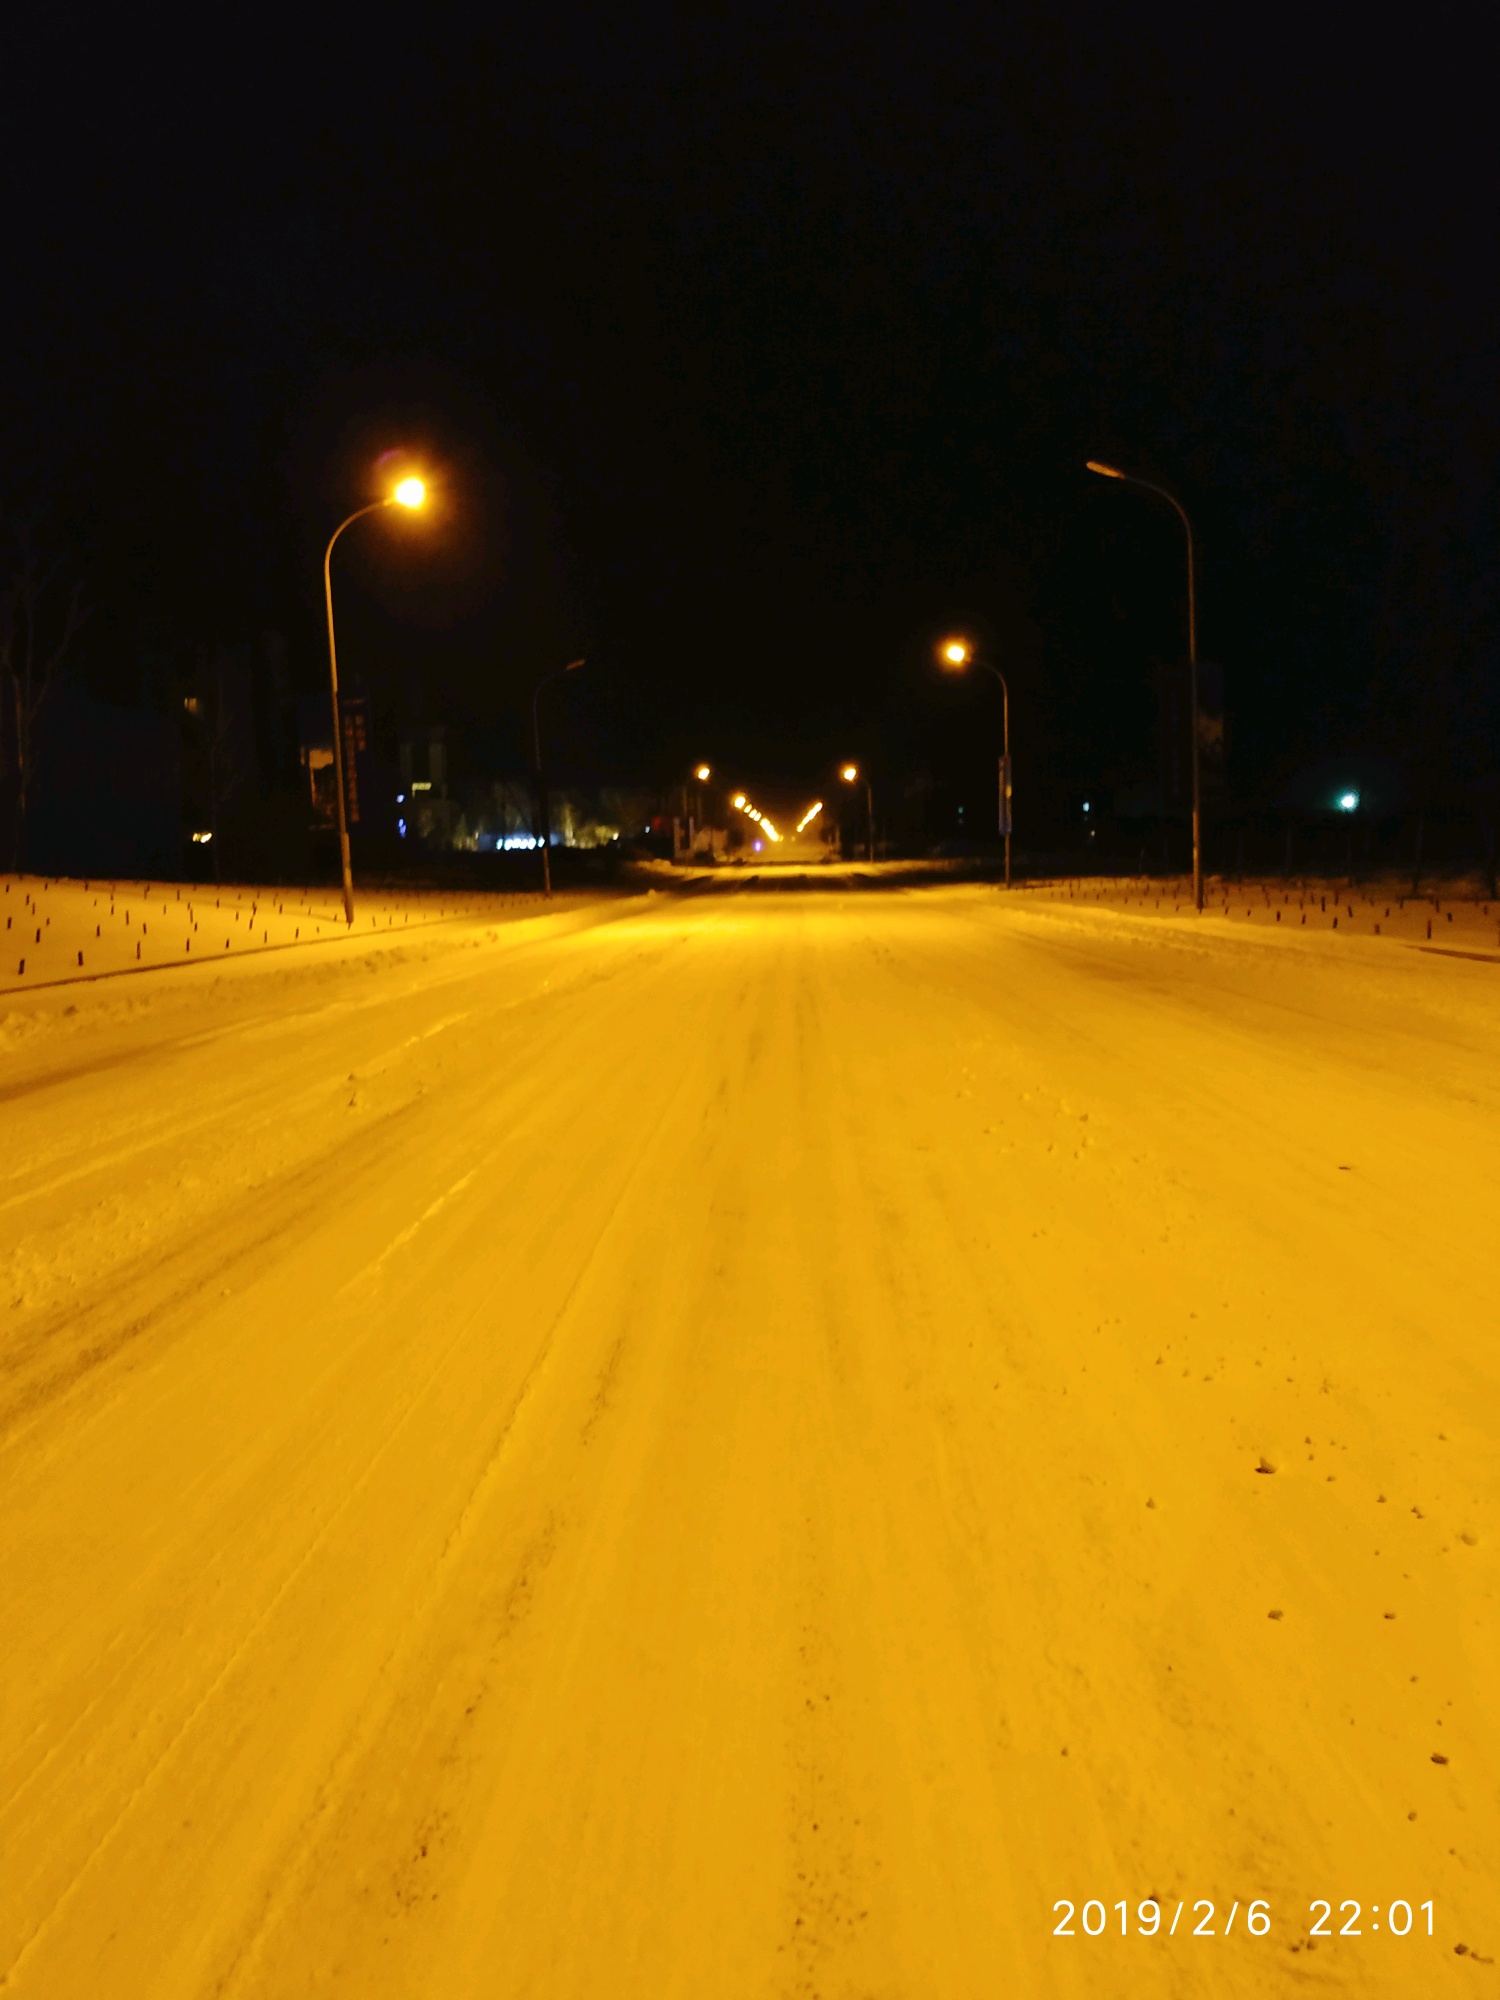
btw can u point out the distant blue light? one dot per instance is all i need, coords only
(1085, 805)
(401, 828)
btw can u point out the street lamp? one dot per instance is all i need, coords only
(956, 655)
(701, 773)
(850, 774)
(409, 493)
(1112, 472)
(541, 782)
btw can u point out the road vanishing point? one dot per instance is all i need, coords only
(703, 1447)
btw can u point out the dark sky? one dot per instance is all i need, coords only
(751, 347)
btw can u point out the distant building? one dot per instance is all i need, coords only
(369, 783)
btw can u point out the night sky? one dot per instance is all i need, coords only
(750, 349)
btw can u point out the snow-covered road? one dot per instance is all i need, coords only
(753, 1445)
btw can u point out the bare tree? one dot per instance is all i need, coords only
(40, 616)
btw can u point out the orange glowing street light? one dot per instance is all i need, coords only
(850, 773)
(410, 492)
(753, 812)
(1113, 472)
(956, 655)
(690, 824)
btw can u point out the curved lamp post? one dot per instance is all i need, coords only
(956, 655)
(850, 773)
(541, 782)
(1112, 472)
(410, 493)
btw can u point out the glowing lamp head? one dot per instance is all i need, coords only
(739, 801)
(956, 653)
(703, 774)
(849, 773)
(1104, 471)
(410, 493)
(1348, 802)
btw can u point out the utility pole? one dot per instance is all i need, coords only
(1146, 486)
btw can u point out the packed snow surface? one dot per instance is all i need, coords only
(750, 1445)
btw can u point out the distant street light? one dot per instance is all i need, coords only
(541, 782)
(701, 773)
(1112, 472)
(850, 774)
(762, 820)
(409, 493)
(957, 655)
